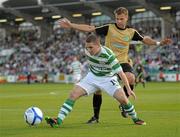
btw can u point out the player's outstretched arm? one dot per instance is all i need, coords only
(126, 83)
(65, 23)
(149, 41)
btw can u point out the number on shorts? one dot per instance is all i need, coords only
(114, 82)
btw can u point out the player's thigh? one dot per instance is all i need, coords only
(87, 83)
(77, 92)
(131, 77)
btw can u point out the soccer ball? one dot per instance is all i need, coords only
(33, 116)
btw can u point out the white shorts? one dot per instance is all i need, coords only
(92, 83)
(76, 78)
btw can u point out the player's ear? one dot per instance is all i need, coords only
(98, 40)
(127, 18)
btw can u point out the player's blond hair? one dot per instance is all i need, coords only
(121, 10)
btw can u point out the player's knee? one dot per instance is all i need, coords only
(74, 95)
(132, 81)
(120, 97)
(131, 78)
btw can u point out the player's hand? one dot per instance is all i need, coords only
(131, 93)
(166, 41)
(64, 23)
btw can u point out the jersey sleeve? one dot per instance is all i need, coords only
(117, 68)
(114, 63)
(102, 30)
(137, 36)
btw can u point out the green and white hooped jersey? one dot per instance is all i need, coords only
(103, 64)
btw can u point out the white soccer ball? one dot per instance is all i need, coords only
(33, 116)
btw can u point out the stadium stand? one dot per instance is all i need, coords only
(28, 48)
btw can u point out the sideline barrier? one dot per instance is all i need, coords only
(62, 78)
(2, 79)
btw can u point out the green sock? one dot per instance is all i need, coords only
(129, 108)
(65, 110)
(59, 121)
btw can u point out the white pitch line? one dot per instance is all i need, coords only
(30, 95)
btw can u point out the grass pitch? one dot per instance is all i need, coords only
(158, 104)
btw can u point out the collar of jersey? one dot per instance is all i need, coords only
(119, 27)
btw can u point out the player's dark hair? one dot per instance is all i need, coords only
(92, 38)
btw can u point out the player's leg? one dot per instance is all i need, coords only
(142, 81)
(97, 100)
(140, 78)
(128, 107)
(84, 87)
(131, 78)
(114, 89)
(128, 70)
(136, 80)
(67, 107)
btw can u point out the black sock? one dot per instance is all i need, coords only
(131, 86)
(125, 91)
(97, 100)
(143, 84)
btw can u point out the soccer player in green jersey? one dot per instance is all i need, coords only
(103, 67)
(139, 70)
(76, 67)
(117, 37)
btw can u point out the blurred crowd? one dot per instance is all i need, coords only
(54, 55)
(155, 58)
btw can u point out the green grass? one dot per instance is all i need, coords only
(158, 104)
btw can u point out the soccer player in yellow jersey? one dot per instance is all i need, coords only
(117, 37)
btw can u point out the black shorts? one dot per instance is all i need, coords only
(127, 68)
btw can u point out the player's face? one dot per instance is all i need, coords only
(92, 48)
(121, 20)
